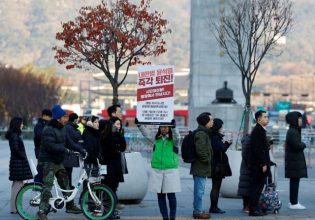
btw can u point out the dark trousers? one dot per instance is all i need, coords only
(39, 177)
(215, 191)
(294, 190)
(112, 183)
(245, 201)
(163, 206)
(69, 172)
(256, 187)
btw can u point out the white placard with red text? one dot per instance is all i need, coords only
(155, 94)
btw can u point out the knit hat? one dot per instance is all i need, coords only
(203, 119)
(73, 116)
(217, 124)
(57, 112)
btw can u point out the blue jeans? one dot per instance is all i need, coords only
(199, 190)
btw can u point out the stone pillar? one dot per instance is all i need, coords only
(208, 69)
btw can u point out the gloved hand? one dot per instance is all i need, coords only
(136, 121)
(173, 123)
(83, 154)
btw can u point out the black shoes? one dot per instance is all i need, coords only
(256, 213)
(216, 211)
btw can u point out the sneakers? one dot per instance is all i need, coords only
(120, 206)
(73, 209)
(202, 215)
(246, 209)
(41, 215)
(297, 206)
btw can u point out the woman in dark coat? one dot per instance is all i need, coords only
(295, 165)
(19, 168)
(91, 139)
(219, 148)
(112, 144)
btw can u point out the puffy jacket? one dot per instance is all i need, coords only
(38, 130)
(19, 168)
(54, 143)
(295, 164)
(165, 154)
(92, 144)
(165, 151)
(202, 165)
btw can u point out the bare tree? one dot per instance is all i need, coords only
(248, 30)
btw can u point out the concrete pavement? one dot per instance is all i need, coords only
(148, 208)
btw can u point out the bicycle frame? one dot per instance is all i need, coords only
(74, 192)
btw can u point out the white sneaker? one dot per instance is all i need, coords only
(297, 206)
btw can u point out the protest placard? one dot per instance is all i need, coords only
(155, 94)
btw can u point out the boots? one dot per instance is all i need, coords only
(71, 208)
(41, 215)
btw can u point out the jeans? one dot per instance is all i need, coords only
(199, 190)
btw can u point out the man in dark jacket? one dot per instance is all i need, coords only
(38, 129)
(51, 155)
(201, 166)
(259, 161)
(75, 135)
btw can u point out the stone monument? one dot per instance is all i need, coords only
(209, 67)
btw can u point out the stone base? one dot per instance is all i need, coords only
(135, 186)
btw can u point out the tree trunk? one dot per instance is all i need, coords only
(115, 94)
(247, 115)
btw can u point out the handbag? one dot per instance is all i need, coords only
(71, 160)
(223, 169)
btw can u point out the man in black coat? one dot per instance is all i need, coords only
(38, 129)
(259, 161)
(74, 134)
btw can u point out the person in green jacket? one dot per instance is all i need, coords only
(164, 178)
(201, 167)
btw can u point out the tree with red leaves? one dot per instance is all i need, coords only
(110, 36)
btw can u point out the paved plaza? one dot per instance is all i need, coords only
(148, 208)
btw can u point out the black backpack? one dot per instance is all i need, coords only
(188, 148)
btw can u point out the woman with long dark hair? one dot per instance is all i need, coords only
(112, 144)
(164, 178)
(19, 169)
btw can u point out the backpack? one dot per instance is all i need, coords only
(188, 148)
(246, 149)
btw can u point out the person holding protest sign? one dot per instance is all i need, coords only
(164, 177)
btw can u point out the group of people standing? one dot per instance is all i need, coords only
(56, 134)
(256, 163)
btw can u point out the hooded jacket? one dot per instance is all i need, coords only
(295, 165)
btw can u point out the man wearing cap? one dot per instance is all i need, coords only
(51, 155)
(201, 166)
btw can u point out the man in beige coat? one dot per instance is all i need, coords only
(201, 166)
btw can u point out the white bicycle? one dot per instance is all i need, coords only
(97, 201)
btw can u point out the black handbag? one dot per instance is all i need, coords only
(223, 169)
(71, 160)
